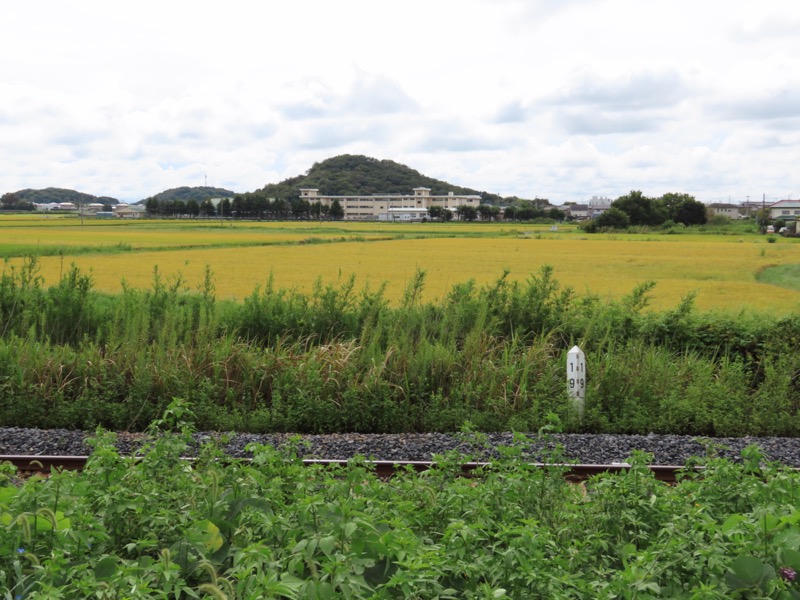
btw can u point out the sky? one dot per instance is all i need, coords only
(563, 100)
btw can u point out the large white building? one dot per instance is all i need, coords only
(391, 207)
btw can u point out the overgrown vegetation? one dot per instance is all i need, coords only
(145, 527)
(343, 359)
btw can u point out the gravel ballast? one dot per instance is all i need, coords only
(580, 448)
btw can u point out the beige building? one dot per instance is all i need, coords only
(391, 207)
(732, 211)
(788, 210)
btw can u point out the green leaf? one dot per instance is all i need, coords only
(731, 523)
(105, 568)
(349, 529)
(748, 569)
(788, 538)
(327, 545)
(325, 590)
(627, 551)
(43, 523)
(7, 494)
(205, 535)
(311, 548)
(789, 558)
(651, 586)
(768, 522)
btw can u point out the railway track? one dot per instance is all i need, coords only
(383, 468)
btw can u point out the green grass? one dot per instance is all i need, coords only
(786, 276)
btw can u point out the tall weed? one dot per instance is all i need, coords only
(342, 359)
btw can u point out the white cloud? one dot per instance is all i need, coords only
(519, 97)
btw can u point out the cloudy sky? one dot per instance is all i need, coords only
(558, 99)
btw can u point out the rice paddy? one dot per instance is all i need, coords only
(721, 270)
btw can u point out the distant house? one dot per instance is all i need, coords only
(597, 206)
(733, 211)
(750, 208)
(125, 211)
(91, 209)
(788, 210)
(591, 210)
(579, 212)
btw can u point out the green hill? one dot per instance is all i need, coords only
(185, 193)
(51, 194)
(351, 174)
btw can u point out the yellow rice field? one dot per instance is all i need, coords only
(136, 236)
(721, 269)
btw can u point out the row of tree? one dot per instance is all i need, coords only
(258, 207)
(245, 206)
(633, 209)
(12, 201)
(524, 210)
(636, 209)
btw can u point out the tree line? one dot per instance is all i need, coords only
(631, 210)
(256, 206)
(635, 209)
(250, 205)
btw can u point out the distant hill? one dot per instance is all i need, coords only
(185, 194)
(51, 194)
(351, 174)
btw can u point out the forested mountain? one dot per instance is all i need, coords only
(27, 197)
(351, 174)
(185, 193)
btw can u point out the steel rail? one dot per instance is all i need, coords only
(382, 468)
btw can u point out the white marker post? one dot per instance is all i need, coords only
(576, 378)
